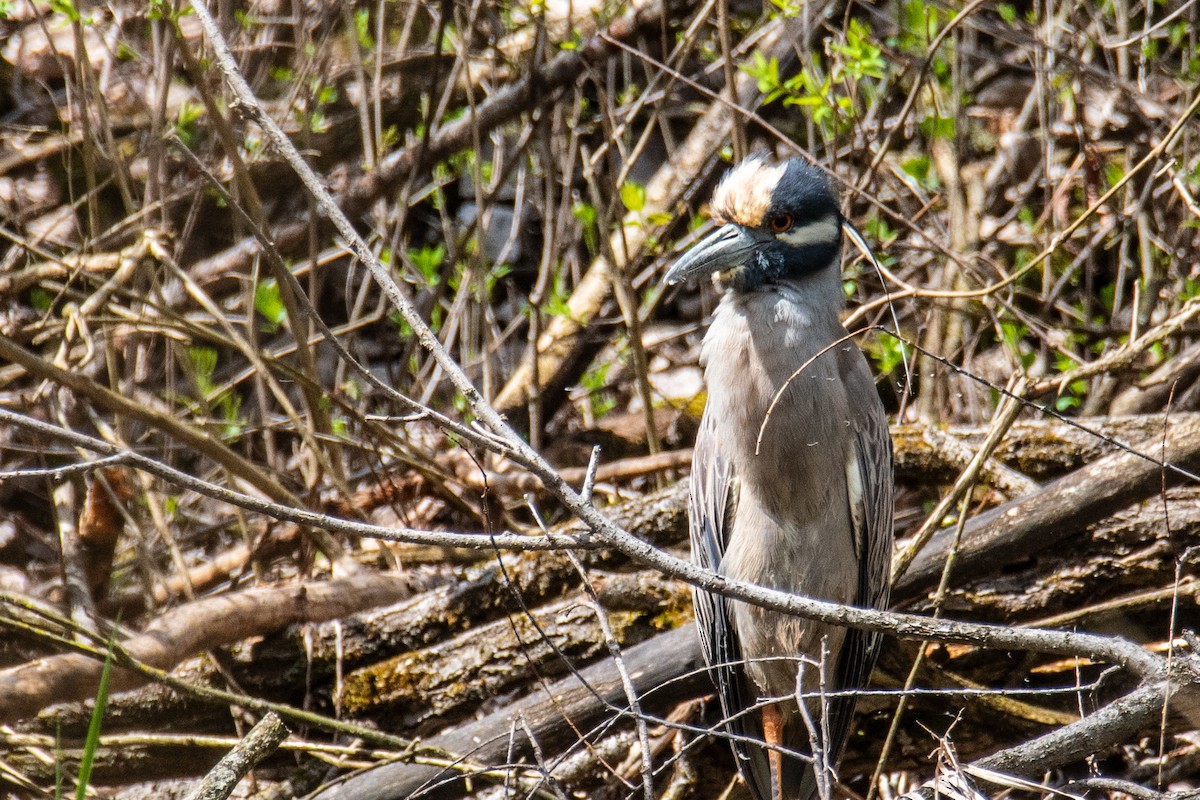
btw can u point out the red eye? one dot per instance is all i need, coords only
(781, 223)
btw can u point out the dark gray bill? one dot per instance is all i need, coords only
(727, 247)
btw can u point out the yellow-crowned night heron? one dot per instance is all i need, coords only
(809, 509)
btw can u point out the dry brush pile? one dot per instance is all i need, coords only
(338, 389)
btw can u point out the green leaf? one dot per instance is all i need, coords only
(920, 25)
(66, 8)
(935, 127)
(269, 304)
(204, 364)
(595, 380)
(889, 353)
(41, 299)
(1008, 12)
(405, 330)
(584, 212)
(587, 216)
(556, 304)
(788, 9)
(428, 262)
(633, 195)
(1063, 362)
(918, 168)
(1066, 403)
(1012, 333)
(1113, 174)
(861, 58)
(362, 29)
(185, 123)
(494, 276)
(765, 72)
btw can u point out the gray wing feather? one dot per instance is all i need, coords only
(712, 507)
(873, 535)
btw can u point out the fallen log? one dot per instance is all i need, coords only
(664, 671)
(413, 690)
(195, 627)
(1014, 530)
(1039, 448)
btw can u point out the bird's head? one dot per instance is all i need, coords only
(780, 221)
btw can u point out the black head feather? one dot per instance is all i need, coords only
(782, 223)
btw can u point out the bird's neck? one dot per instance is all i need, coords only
(766, 334)
(815, 297)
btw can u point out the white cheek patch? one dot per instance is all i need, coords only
(819, 231)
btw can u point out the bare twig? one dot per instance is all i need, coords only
(607, 534)
(263, 740)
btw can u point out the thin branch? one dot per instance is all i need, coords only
(907, 626)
